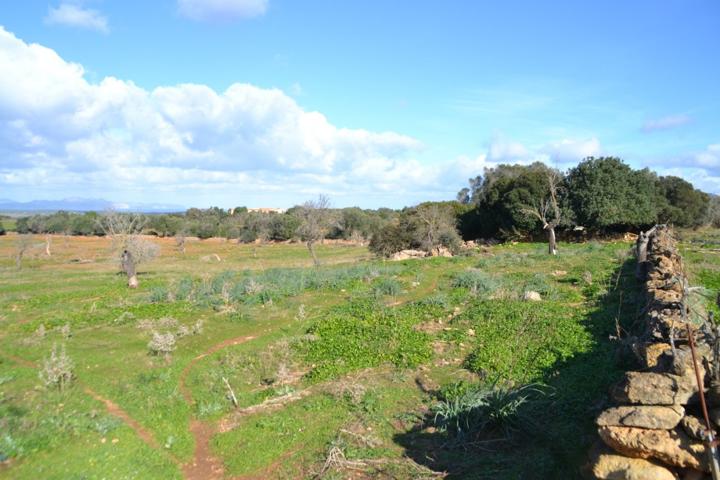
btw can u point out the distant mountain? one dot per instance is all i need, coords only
(85, 205)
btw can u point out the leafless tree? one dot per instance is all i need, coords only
(180, 242)
(548, 210)
(315, 220)
(434, 222)
(124, 231)
(22, 245)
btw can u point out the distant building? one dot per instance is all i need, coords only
(267, 210)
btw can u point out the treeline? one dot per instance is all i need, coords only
(600, 196)
(238, 223)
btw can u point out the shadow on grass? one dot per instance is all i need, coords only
(560, 430)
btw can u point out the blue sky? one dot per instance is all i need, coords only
(271, 102)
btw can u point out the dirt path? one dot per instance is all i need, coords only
(115, 410)
(204, 465)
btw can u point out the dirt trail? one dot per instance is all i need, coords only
(115, 410)
(204, 465)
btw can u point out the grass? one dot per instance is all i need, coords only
(363, 348)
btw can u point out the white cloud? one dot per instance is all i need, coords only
(572, 151)
(221, 10)
(74, 15)
(710, 157)
(57, 129)
(665, 123)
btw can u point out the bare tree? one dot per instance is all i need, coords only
(22, 245)
(548, 210)
(315, 217)
(124, 230)
(180, 242)
(435, 222)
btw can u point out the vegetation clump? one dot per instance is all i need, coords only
(364, 334)
(57, 370)
(466, 411)
(161, 343)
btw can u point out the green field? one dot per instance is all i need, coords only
(338, 371)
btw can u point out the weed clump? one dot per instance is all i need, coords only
(57, 371)
(386, 286)
(467, 411)
(476, 281)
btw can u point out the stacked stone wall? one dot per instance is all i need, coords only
(655, 429)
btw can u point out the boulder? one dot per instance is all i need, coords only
(407, 254)
(649, 388)
(644, 416)
(672, 447)
(531, 296)
(609, 466)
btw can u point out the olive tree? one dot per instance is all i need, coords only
(315, 221)
(124, 231)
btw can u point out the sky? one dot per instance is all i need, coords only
(372, 103)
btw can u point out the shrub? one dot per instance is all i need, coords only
(161, 343)
(57, 371)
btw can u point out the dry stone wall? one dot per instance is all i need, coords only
(655, 428)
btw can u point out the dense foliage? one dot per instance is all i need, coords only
(601, 195)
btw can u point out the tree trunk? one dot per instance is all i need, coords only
(311, 247)
(128, 266)
(552, 244)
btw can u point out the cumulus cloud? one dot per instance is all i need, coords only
(665, 123)
(58, 129)
(570, 150)
(221, 10)
(74, 15)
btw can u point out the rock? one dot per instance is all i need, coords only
(531, 296)
(644, 416)
(672, 447)
(440, 252)
(609, 466)
(649, 388)
(693, 426)
(651, 352)
(407, 254)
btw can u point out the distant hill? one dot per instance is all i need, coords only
(85, 205)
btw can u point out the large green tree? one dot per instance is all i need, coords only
(684, 206)
(607, 195)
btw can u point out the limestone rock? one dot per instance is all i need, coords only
(644, 416)
(531, 296)
(651, 352)
(407, 254)
(693, 426)
(672, 447)
(609, 466)
(648, 388)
